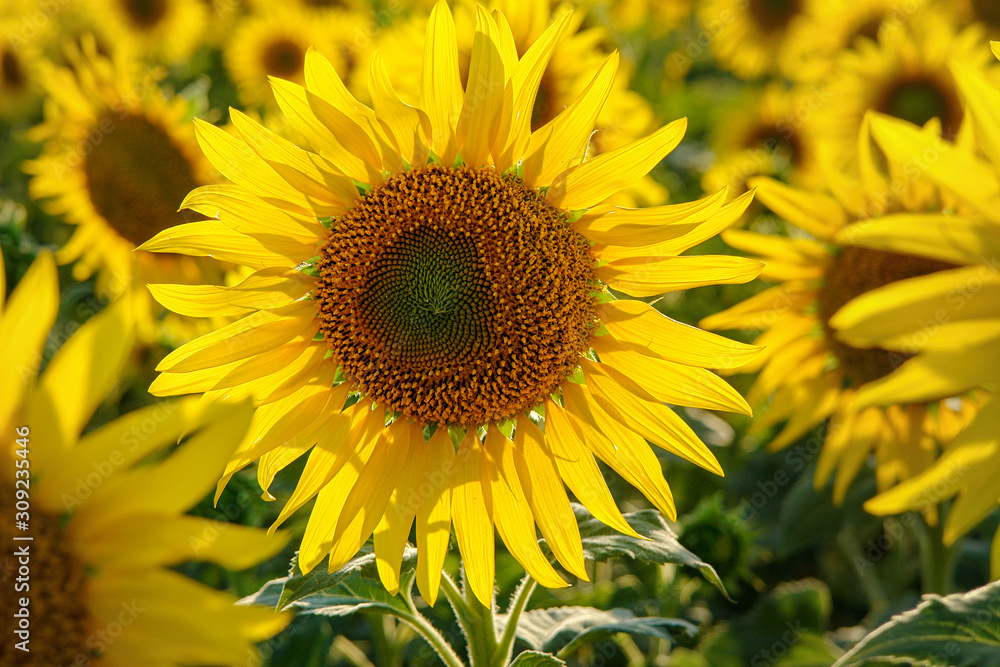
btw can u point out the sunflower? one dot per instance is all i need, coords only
(625, 116)
(837, 25)
(427, 277)
(984, 12)
(658, 17)
(752, 38)
(114, 146)
(808, 374)
(160, 30)
(771, 138)
(103, 530)
(948, 322)
(20, 94)
(905, 74)
(274, 43)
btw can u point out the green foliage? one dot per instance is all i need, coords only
(535, 659)
(601, 542)
(563, 630)
(960, 630)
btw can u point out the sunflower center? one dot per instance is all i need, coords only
(917, 100)
(987, 11)
(136, 176)
(773, 15)
(868, 29)
(853, 273)
(283, 58)
(778, 141)
(145, 13)
(13, 73)
(456, 296)
(59, 620)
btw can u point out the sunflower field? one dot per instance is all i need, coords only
(488, 333)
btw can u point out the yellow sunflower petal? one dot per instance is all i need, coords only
(237, 162)
(441, 89)
(264, 290)
(544, 491)
(259, 332)
(970, 293)
(408, 126)
(246, 213)
(511, 512)
(763, 310)
(651, 277)
(949, 238)
(933, 376)
(618, 446)
(321, 183)
(472, 514)
(90, 362)
(216, 239)
(479, 121)
(632, 406)
(816, 213)
(639, 327)
(24, 326)
(982, 103)
(590, 183)
(632, 227)
(434, 512)
(367, 501)
(516, 121)
(342, 141)
(671, 382)
(961, 173)
(578, 469)
(562, 142)
(393, 530)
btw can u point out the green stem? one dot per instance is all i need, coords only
(426, 629)
(935, 558)
(481, 630)
(502, 655)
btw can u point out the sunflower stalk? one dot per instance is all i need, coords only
(481, 631)
(935, 558)
(517, 604)
(427, 630)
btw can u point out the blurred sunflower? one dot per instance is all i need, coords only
(274, 43)
(984, 12)
(428, 276)
(160, 30)
(105, 528)
(769, 138)
(656, 16)
(949, 321)
(114, 146)
(809, 374)
(20, 94)
(752, 37)
(837, 25)
(905, 74)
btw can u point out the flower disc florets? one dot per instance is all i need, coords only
(456, 296)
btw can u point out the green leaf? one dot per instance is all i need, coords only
(960, 630)
(600, 542)
(267, 596)
(810, 651)
(535, 659)
(565, 629)
(297, 587)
